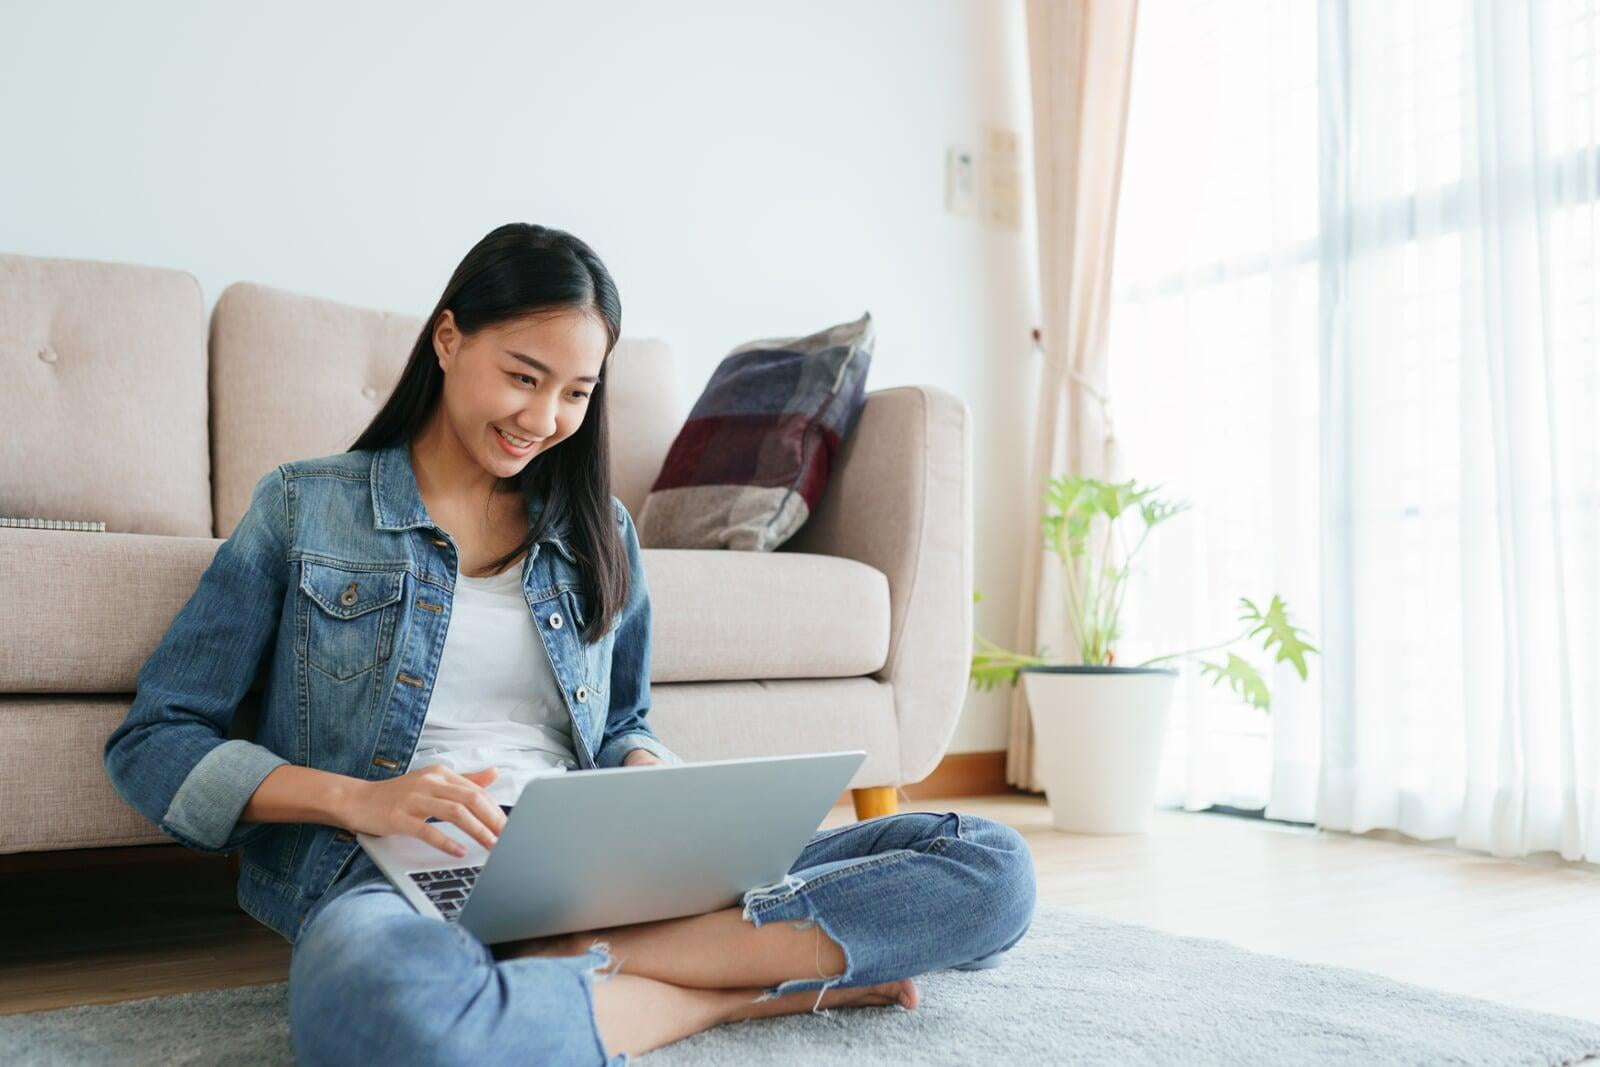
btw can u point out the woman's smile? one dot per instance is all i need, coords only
(516, 446)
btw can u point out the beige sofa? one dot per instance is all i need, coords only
(119, 405)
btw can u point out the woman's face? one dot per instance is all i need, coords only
(529, 379)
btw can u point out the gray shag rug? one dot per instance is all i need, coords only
(1078, 988)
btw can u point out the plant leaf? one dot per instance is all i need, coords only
(987, 675)
(1280, 631)
(1242, 678)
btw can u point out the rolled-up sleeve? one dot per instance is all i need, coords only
(626, 725)
(170, 758)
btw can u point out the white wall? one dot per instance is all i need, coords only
(745, 170)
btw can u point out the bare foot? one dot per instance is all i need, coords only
(903, 992)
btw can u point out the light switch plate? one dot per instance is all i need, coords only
(960, 181)
(1002, 179)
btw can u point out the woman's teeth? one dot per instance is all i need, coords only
(516, 442)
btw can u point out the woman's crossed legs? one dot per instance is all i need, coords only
(868, 906)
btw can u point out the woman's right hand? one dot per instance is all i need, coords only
(403, 805)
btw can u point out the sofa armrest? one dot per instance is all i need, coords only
(899, 499)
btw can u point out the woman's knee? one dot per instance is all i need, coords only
(365, 980)
(1012, 891)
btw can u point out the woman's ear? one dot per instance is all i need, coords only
(446, 339)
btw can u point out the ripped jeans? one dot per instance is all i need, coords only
(372, 980)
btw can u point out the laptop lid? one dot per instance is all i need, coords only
(597, 848)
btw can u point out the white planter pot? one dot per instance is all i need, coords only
(1099, 734)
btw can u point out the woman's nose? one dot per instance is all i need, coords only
(539, 421)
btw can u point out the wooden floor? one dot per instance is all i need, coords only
(129, 923)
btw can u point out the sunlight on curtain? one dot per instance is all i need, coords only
(1464, 701)
(1214, 374)
(1355, 322)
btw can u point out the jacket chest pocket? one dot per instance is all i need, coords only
(349, 617)
(596, 656)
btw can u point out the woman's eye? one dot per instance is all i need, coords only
(530, 381)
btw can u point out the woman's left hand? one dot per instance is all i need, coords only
(639, 755)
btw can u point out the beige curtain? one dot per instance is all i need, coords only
(1080, 59)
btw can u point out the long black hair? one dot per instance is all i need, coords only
(518, 270)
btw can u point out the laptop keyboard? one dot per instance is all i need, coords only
(447, 887)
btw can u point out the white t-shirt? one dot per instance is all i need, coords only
(495, 700)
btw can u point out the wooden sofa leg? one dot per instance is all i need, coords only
(874, 801)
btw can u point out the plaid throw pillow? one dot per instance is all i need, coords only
(753, 458)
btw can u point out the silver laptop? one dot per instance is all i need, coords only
(583, 850)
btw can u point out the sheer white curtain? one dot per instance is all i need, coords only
(1214, 371)
(1355, 322)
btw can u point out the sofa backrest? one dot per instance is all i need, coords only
(103, 395)
(296, 376)
(116, 406)
(292, 377)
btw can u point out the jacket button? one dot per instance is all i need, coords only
(348, 597)
(555, 621)
(582, 694)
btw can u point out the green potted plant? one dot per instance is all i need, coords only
(1099, 726)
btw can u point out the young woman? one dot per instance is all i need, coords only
(451, 607)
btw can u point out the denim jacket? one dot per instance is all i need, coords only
(337, 584)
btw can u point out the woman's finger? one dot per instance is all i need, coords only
(461, 815)
(482, 805)
(439, 840)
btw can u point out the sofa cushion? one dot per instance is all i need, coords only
(51, 747)
(752, 461)
(104, 405)
(745, 615)
(297, 376)
(85, 610)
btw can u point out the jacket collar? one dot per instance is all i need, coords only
(397, 502)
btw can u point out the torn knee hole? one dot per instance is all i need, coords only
(761, 894)
(600, 952)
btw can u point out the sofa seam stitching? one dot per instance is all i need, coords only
(922, 529)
